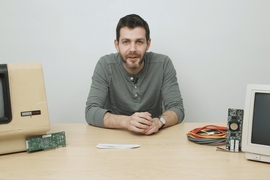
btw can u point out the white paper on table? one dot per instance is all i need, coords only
(118, 146)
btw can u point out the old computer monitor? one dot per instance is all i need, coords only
(256, 123)
(23, 105)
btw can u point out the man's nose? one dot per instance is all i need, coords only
(132, 46)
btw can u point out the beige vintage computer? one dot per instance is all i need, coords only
(256, 123)
(23, 105)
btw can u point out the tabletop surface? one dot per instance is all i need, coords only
(167, 154)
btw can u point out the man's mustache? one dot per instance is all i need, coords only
(133, 55)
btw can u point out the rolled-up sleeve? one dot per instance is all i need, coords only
(171, 94)
(94, 110)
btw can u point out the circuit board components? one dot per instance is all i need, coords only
(46, 141)
(234, 134)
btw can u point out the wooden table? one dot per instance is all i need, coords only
(165, 155)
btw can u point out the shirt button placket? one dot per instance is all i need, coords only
(136, 93)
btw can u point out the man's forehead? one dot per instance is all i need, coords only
(134, 33)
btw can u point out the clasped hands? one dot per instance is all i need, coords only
(142, 122)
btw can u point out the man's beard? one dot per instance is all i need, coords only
(132, 55)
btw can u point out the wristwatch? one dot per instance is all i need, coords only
(162, 120)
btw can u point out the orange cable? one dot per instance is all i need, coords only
(205, 132)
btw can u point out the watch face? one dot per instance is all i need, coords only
(162, 120)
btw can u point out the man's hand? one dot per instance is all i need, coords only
(154, 127)
(142, 122)
(139, 122)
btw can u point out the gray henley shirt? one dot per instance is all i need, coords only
(112, 89)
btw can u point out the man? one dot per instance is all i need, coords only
(134, 89)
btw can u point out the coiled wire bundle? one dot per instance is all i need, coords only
(208, 135)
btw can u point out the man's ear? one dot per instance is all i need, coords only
(116, 43)
(148, 44)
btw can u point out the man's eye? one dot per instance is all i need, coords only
(125, 42)
(139, 42)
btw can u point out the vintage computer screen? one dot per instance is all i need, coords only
(5, 105)
(261, 119)
(256, 123)
(1, 100)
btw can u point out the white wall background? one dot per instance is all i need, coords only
(217, 47)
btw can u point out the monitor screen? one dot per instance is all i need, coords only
(5, 104)
(261, 119)
(2, 112)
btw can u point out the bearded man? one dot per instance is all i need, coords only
(134, 89)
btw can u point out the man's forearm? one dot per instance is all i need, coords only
(170, 117)
(115, 121)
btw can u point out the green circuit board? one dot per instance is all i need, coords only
(46, 141)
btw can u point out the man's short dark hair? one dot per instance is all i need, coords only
(132, 21)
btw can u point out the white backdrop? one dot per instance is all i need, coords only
(217, 47)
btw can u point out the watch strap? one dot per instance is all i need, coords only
(162, 120)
